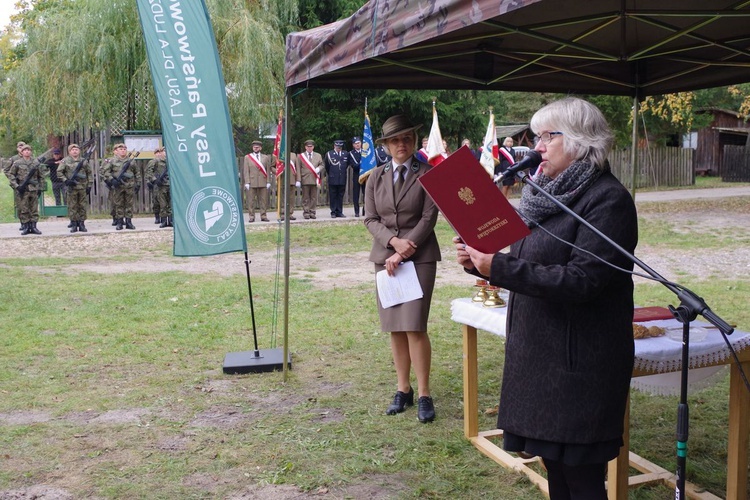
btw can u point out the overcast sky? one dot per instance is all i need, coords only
(6, 9)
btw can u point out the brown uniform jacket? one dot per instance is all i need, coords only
(254, 176)
(306, 176)
(412, 216)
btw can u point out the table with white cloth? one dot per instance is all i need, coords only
(658, 361)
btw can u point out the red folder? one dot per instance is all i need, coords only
(641, 314)
(479, 213)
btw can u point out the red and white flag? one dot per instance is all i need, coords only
(490, 151)
(435, 150)
(277, 145)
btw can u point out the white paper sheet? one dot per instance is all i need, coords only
(402, 287)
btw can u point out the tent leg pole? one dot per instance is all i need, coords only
(634, 146)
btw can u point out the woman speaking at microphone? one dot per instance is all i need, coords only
(569, 350)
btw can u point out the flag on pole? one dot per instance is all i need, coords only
(368, 151)
(490, 151)
(197, 132)
(278, 146)
(435, 150)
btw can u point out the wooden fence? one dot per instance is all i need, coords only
(735, 166)
(657, 167)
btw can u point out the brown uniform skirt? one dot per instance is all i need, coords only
(410, 316)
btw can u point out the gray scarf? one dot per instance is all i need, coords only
(566, 187)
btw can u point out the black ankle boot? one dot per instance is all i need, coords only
(114, 221)
(119, 224)
(164, 222)
(73, 226)
(82, 227)
(26, 228)
(158, 220)
(72, 223)
(129, 223)
(33, 229)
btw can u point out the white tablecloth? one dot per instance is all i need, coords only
(659, 354)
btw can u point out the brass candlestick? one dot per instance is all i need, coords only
(493, 298)
(481, 294)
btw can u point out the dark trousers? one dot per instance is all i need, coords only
(576, 482)
(58, 189)
(336, 194)
(357, 188)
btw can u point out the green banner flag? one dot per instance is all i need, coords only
(190, 90)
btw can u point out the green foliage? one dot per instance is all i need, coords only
(83, 62)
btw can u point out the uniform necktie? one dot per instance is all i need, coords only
(309, 156)
(399, 181)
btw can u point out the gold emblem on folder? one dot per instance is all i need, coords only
(466, 195)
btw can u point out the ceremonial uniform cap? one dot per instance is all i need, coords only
(309, 142)
(257, 142)
(356, 139)
(338, 142)
(395, 126)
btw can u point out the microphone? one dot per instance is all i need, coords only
(531, 160)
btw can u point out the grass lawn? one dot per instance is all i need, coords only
(111, 385)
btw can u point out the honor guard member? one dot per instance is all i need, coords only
(381, 157)
(6, 170)
(337, 162)
(147, 177)
(157, 178)
(258, 171)
(311, 170)
(123, 182)
(26, 179)
(355, 159)
(293, 180)
(78, 182)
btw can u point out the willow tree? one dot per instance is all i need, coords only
(84, 64)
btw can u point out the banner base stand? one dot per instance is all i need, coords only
(264, 360)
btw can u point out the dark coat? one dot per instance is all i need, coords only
(336, 167)
(569, 351)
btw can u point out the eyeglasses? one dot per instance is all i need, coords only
(546, 137)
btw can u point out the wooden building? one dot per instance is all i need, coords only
(728, 128)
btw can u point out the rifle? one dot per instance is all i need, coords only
(89, 146)
(116, 181)
(24, 185)
(159, 180)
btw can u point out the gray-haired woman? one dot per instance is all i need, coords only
(569, 353)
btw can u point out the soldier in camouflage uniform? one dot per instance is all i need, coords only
(6, 170)
(157, 176)
(123, 190)
(27, 170)
(78, 186)
(155, 207)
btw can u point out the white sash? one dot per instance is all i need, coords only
(307, 163)
(258, 164)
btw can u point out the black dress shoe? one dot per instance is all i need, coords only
(400, 401)
(425, 409)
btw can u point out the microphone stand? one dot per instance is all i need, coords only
(691, 305)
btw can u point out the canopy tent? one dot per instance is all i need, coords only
(617, 47)
(611, 47)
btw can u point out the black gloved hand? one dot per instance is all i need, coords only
(115, 183)
(70, 183)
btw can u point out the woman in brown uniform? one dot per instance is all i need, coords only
(401, 218)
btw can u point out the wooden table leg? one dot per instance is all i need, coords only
(618, 470)
(739, 428)
(471, 399)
